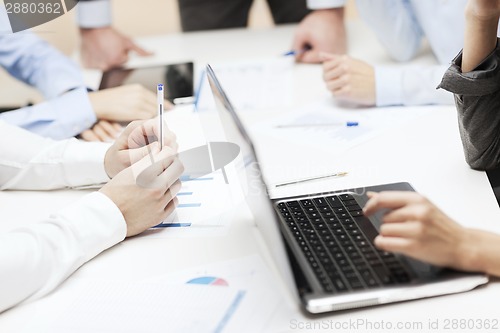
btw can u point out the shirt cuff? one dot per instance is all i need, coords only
(96, 222)
(325, 4)
(94, 14)
(483, 80)
(388, 86)
(84, 163)
(59, 118)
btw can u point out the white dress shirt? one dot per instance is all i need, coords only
(94, 13)
(400, 26)
(35, 259)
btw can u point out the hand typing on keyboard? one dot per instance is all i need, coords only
(417, 228)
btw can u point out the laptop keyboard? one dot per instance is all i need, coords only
(342, 257)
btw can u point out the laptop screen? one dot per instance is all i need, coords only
(251, 179)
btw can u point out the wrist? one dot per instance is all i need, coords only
(482, 16)
(468, 254)
(89, 31)
(337, 12)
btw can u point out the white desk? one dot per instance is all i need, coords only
(426, 153)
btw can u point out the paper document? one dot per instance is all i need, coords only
(251, 276)
(324, 126)
(130, 307)
(250, 85)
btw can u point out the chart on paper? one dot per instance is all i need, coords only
(204, 207)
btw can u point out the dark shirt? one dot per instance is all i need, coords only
(477, 97)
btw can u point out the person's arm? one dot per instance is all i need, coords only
(33, 61)
(355, 81)
(395, 25)
(481, 25)
(477, 91)
(322, 30)
(410, 85)
(417, 228)
(32, 162)
(59, 118)
(102, 46)
(37, 258)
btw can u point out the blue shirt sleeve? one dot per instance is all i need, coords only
(59, 118)
(67, 110)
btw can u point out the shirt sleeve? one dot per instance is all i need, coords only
(31, 162)
(94, 14)
(33, 61)
(37, 258)
(477, 97)
(60, 118)
(395, 25)
(410, 85)
(325, 4)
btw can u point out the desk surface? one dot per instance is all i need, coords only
(427, 153)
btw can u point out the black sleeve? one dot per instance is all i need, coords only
(477, 97)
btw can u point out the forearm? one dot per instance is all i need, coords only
(480, 39)
(481, 252)
(36, 163)
(59, 118)
(410, 85)
(31, 60)
(37, 258)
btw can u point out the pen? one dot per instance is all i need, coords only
(198, 90)
(347, 123)
(303, 180)
(296, 52)
(159, 91)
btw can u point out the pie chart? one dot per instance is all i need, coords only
(208, 280)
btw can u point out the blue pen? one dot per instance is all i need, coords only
(296, 52)
(347, 124)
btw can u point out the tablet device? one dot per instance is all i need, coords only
(178, 79)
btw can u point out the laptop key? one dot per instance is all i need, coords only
(346, 197)
(339, 210)
(320, 202)
(339, 284)
(350, 203)
(356, 284)
(383, 274)
(327, 214)
(334, 201)
(357, 213)
(292, 203)
(306, 203)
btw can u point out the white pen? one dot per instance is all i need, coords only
(159, 90)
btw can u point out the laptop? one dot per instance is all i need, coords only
(322, 243)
